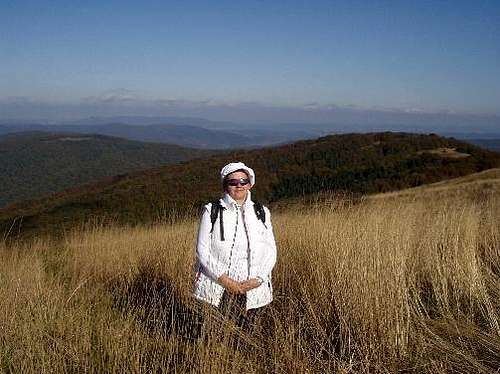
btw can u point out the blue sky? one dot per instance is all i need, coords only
(390, 55)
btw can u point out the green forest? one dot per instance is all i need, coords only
(35, 164)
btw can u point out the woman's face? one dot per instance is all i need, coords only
(239, 192)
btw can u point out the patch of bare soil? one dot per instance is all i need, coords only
(446, 152)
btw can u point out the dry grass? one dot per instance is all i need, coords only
(402, 282)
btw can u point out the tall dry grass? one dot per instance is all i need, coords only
(392, 283)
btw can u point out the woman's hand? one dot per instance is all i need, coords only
(250, 284)
(230, 284)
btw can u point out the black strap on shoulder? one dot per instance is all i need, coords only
(260, 212)
(214, 213)
(217, 209)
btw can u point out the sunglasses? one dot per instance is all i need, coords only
(235, 182)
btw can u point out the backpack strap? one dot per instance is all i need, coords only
(217, 210)
(214, 213)
(260, 212)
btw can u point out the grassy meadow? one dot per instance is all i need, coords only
(398, 282)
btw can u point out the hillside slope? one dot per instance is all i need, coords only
(34, 164)
(389, 284)
(360, 163)
(476, 187)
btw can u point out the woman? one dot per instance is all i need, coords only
(236, 250)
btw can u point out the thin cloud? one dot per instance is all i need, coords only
(120, 95)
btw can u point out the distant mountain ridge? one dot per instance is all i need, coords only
(358, 163)
(184, 135)
(185, 131)
(33, 164)
(491, 144)
(151, 120)
(202, 133)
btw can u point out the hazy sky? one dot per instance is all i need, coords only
(392, 55)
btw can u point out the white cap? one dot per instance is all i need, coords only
(233, 166)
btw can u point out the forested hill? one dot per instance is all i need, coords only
(364, 163)
(33, 164)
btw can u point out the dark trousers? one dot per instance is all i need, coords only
(232, 310)
(233, 307)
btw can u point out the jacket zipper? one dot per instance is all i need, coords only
(248, 241)
(234, 240)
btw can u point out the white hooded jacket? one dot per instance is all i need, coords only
(214, 255)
